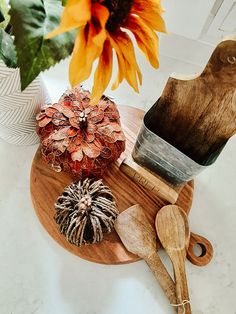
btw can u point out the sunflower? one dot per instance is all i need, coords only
(102, 28)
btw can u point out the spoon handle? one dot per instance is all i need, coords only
(162, 276)
(182, 294)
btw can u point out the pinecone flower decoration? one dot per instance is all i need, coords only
(78, 137)
(85, 211)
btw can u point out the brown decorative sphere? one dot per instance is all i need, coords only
(78, 137)
(85, 211)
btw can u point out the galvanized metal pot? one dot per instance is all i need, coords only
(154, 153)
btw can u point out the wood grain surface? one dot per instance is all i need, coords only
(174, 233)
(197, 114)
(140, 238)
(206, 247)
(46, 185)
(148, 180)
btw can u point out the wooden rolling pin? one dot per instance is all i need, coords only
(149, 181)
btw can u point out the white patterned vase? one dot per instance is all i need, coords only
(18, 108)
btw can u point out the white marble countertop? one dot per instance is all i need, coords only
(38, 276)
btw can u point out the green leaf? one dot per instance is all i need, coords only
(63, 2)
(2, 18)
(4, 13)
(32, 20)
(7, 49)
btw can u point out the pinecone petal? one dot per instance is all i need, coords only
(77, 155)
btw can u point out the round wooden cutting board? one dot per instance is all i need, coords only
(46, 185)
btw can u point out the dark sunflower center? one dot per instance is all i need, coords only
(119, 10)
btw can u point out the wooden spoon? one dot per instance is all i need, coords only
(173, 232)
(139, 237)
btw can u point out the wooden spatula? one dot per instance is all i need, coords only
(139, 237)
(197, 114)
(173, 232)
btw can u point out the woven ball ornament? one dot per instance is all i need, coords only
(85, 211)
(78, 137)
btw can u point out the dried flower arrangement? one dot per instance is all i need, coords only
(85, 211)
(94, 27)
(90, 30)
(102, 26)
(80, 138)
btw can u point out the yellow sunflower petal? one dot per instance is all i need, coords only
(78, 60)
(150, 11)
(125, 70)
(71, 19)
(101, 15)
(97, 34)
(102, 74)
(83, 56)
(146, 38)
(128, 67)
(121, 70)
(88, 46)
